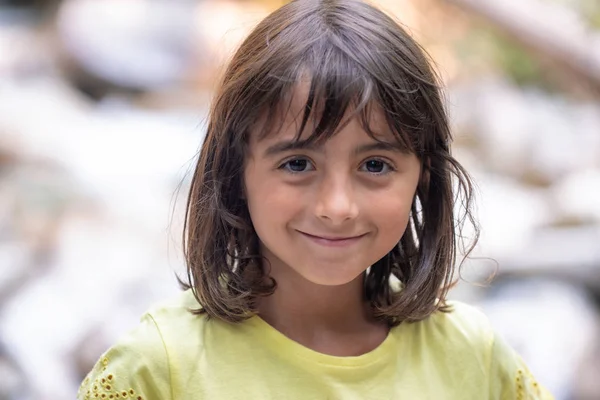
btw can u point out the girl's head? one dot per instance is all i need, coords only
(327, 154)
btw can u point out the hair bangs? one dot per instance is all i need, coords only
(333, 89)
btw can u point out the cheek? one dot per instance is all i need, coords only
(270, 202)
(391, 214)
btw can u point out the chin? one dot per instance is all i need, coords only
(335, 278)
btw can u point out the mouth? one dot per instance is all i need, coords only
(332, 241)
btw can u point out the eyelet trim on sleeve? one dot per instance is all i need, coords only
(103, 386)
(526, 384)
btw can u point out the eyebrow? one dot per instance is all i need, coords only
(381, 146)
(292, 145)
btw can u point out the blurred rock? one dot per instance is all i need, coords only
(578, 194)
(13, 383)
(92, 188)
(509, 213)
(140, 45)
(568, 253)
(526, 130)
(23, 52)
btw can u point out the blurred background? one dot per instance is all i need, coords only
(102, 110)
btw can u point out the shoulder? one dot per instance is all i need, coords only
(175, 310)
(463, 317)
(139, 364)
(463, 325)
(181, 330)
(462, 335)
(135, 367)
(463, 342)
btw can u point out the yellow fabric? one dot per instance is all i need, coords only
(175, 355)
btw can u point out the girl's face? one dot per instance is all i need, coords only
(330, 211)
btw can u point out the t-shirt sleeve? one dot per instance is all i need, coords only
(509, 376)
(137, 368)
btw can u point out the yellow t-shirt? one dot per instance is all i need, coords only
(174, 355)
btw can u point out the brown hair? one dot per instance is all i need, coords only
(355, 57)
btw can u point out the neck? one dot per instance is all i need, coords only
(331, 319)
(316, 305)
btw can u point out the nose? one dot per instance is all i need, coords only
(336, 200)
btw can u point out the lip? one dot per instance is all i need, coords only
(332, 241)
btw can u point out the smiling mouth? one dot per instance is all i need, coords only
(335, 241)
(332, 238)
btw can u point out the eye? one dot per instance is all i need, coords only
(377, 167)
(297, 165)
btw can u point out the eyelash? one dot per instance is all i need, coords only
(386, 164)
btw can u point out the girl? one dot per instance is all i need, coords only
(320, 233)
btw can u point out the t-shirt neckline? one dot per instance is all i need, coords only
(287, 347)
